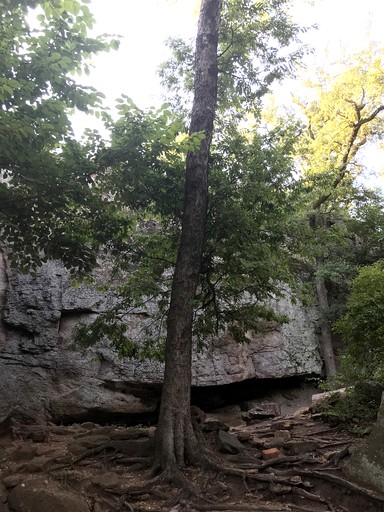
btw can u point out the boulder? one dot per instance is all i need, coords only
(5, 421)
(261, 411)
(213, 425)
(321, 401)
(229, 443)
(300, 447)
(367, 462)
(3, 493)
(39, 496)
(108, 480)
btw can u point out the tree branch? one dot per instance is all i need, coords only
(351, 150)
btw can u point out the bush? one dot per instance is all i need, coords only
(356, 406)
(362, 327)
(362, 362)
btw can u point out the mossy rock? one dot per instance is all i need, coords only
(367, 463)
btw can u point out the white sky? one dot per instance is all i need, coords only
(145, 24)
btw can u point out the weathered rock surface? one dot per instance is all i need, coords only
(229, 443)
(367, 463)
(42, 379)
(34, 496)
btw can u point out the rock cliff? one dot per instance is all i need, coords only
(42, 379)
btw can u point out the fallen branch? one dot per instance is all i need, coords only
(323, 431)
(338, 443)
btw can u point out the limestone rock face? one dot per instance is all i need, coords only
(42, 379)
(286, 351)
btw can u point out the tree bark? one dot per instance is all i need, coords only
(327, 351)
(175, 441)
(316, 222)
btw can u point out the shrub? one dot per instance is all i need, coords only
(362, 327)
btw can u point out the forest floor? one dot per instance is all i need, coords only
(290, 463)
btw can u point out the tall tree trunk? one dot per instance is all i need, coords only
(325, 327)
(175, 442)
(317, 221)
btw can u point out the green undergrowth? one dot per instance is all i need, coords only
(356, 408)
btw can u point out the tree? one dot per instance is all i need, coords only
(344, 117)
(96, 173)
(49, 194)
(175, 437)
(217, 257)
(252, 196)
(255, 50)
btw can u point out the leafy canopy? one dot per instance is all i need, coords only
(345, 115)
(244, 257)
(251, 187)
(258, 44)
(49, 194)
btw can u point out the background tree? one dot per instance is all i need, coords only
(344, 116)
(49, 194)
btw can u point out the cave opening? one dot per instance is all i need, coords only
(290, 390)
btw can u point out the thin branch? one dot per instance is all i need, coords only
(229, 45)
(351, 150)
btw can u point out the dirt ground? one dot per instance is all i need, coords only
(285, 462)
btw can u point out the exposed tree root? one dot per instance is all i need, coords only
(135, 491)
(300, 509)
(337, 480)
(203, 492)
(225, 507)
(170, 475)
(291, 459)
(312, 497)
(252, 475)
(129, 461)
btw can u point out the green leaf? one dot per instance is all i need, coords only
(114, 44)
